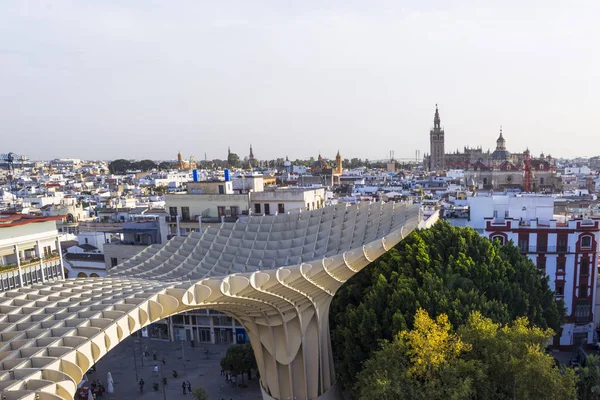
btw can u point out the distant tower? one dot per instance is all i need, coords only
(437, 160)
(192, 163)
(251, 159)
(501, 142)
(179, 161)
(527, 174)
(338, 163)
(228, 152)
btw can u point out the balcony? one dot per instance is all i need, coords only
(546, 249)
(31, 261)
(172, 219)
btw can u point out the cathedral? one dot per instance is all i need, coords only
(495, 170)
(438, 160)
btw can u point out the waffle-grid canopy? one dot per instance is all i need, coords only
(275, 274)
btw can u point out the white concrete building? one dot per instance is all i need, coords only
(29, 250)
(283, 200)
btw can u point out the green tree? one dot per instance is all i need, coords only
(588, 384)
(513, 362)
(165, 166)
(199, 394)
(482, 360)
(147, 165)
(422, 363)
(239, 359)
(445, 270)
(119, 166)
(233, 160)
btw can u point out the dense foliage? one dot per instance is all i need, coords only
(482, 360)
(239, 359)
(122, 166)
(445, 270)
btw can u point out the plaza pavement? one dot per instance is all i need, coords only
(199, 370)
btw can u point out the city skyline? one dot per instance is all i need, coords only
(147, 80)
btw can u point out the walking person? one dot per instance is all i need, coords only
(155, 369)
(164, 360)
(189, 386)
(141, 385)
(183, 387)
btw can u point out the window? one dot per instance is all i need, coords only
(495, 213)
(582, 312)
(506, 214)
(280, 208)
(235, 211)
(586, 242)
(524, 243)
(541, 263)
(173, 211)
(86, 240)
(499, 239)
(222, 320)
(185, 213)
(257, 208)
(542, 242)
(113, 262)
(542, 179)
(583, 291)
(560, 290)
(560, 264)
(221, 189)
(585, 266)
(308, 206)
(221, 211)
(485, 181)
(267, 209)
(561, 244)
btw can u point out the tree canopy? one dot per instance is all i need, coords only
(482, 360)
(122, 166)
(445, 270)
(239, 359)
(233, 160)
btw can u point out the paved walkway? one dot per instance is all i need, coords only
(199, 370)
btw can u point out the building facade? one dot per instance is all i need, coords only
(275, 200)
(29, 251)
(565, 251)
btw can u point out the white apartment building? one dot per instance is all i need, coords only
(290, 199)
(29, 250)
(565, 250)
(204, 202)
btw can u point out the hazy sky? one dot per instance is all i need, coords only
(140, 78)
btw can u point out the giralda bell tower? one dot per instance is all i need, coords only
(437, 160)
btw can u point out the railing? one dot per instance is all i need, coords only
(194, 219)
(546, 249)
(28, 262)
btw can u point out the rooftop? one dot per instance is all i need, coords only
(8, 220)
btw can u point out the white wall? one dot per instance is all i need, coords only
(96, 239)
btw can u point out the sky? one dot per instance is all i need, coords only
(148, 79)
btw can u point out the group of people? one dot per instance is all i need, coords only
(229, 378)
(97, 389)
(186, 385)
